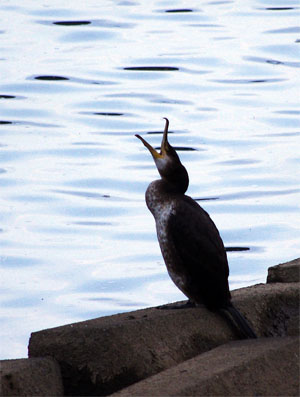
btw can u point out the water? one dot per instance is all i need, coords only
(78, 80)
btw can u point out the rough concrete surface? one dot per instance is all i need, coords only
(261, 367)
(285, 272)
(101, 356)
(34, 377)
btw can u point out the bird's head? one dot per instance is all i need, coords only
(167, 161)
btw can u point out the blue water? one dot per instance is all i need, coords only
(76, 238)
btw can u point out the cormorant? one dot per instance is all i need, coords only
(190, 242)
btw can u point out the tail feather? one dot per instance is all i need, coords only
(239, 321)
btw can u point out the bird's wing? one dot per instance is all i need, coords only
(199, 246)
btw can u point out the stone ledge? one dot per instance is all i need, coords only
(261, 367)
(104, 355)
(34, 377)
(288, 272)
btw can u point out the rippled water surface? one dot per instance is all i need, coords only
(78, 80)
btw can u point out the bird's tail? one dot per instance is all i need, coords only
(239, 322)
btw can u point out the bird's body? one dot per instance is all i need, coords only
(190, 243)
(191, 246)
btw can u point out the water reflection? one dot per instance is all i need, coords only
(293, 29)
(179, 10)
(113, 114)
(72, 79)
(50, 78)
(280, 8)
(234, 249)
(274, 62)
(18, 262)
(76, 238)
(7, 96)
(152, 68)
(89, 36)
(246, 81)
(71, 23)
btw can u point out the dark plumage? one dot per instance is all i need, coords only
(190, 243)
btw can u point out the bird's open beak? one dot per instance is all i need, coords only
(164, 143)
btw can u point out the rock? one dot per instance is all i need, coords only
(285, 272)
(261, 367)
(271, 308)
(30, 377)
(101, 356)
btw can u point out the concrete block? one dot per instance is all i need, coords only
(30, 377)
(288, 272)
(101, 356)
(262, 367)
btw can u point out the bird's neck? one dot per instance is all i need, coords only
(164, 190)
(174, 178)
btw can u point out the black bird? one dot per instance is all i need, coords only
(190, 242)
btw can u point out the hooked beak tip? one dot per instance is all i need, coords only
(164, 142)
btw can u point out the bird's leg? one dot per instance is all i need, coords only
(186, 305)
